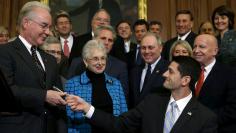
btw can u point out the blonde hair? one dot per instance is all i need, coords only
(183, 43)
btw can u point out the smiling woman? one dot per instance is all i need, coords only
(96, 87)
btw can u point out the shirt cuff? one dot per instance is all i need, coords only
(89, 114)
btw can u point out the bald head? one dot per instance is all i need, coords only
(205, 49)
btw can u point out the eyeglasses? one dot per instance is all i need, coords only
(102, 20)
(54, 52)
(97, 59)
(42, 25)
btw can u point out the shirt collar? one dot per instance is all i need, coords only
(181, 102)
(153, 64)
(208, 68)
(69, 38)
(26, 43)
(184, 36)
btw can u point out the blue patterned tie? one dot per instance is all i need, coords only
(170, 117)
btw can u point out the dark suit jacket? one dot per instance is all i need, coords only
(131, 58)
(114, 68)
(149, 117)
(118, 49)
(111, 6)
(218, 93)
(29, 89)
(78, 45)
(154, 83)
(166, 49)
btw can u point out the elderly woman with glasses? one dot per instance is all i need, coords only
(96, 87)
(53, 47)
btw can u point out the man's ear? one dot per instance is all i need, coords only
(186, 80)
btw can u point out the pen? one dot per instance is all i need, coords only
(57, 89)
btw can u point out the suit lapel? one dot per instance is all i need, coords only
(27, 58)
(209, 79)
(186, 115)
(155, 74)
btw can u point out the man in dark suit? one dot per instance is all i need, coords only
(63, 26)
(111, 6)
(31, 74)
(183, 24)
(125, 45)
(142, 83)
(218, 90)
(100, 18)
(114, 67)
(152, 115)
(134, 58)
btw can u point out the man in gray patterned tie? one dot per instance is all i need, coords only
(149, 116)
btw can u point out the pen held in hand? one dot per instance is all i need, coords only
(57, 89)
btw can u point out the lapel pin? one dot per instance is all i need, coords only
(157, 71)
(189, 113)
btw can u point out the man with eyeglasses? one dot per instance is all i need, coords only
(31, 74)
(114, 66)
(101, 17)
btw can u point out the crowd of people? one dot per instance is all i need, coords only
(119, 79)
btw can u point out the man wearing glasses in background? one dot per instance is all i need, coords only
(31, 74)
(101, 17)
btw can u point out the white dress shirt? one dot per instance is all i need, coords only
(145, 71)
(28, 46)
(69, 43)
(181, 105)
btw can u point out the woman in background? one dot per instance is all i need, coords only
(4, 35)
(96, 87)
(180, 48)
(223, 21)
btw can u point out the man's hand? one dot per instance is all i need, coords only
(55, 98)
(77, 104)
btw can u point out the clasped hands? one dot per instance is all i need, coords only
(76, 103)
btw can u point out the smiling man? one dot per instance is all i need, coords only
(147, 78)
(218, 90)
(155, 114)
(183, 24)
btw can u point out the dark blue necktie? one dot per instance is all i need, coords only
(147, 76)
(139, 57)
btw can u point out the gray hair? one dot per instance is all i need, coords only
(105, 27)
(158, 39)
(27, 10)
(90, 46)
(50, 40)
(183, 43)
(3, 30)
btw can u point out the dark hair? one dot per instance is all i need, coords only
(122, 21)
(62, 13)
(188, 67)
(155, 23)
(141, 22)
(184, 12)
(224, 10)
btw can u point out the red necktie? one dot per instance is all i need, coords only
(66, 49)
(199, 82)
